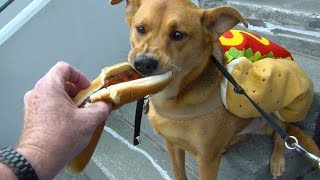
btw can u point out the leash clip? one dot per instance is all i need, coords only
(295, 145)
(238, 90)
(146, 105)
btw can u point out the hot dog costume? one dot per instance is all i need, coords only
(268, 74)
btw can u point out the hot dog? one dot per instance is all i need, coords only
(118, 84)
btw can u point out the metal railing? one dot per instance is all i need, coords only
(5, 5)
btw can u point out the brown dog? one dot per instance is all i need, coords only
(177, 36)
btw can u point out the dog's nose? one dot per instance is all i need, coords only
(145, 65)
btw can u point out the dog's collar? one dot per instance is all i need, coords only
(191, 111)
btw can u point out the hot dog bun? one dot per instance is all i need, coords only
(118, 94)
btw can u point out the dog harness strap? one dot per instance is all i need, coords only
(239, 90)
(137, 122)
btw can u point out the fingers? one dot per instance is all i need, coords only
(71, 89)
(95, 113)
(63, 72)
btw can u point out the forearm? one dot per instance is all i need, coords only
(7, 173)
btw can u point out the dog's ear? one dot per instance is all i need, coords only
(132, 7)
(221, 19)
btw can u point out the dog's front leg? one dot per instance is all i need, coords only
(278, 162)
(177, 157)
(209, 166)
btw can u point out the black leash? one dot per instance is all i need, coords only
(239, 90)
(5, 5)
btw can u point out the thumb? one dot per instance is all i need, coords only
(95, 113)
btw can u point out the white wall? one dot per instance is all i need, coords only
(87, 34)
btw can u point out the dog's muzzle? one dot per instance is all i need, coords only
(145, 65)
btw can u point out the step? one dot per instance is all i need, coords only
(119, 159)
(295, 13)
(116, 157)
(297, 29)
(64, 176)
(306, 42)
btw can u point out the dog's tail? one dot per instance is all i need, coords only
(304, 140)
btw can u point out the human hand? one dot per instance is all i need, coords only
(55, 129)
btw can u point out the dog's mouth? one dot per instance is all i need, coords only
(151, 74)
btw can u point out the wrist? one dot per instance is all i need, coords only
(6, 172)
(39, 154)
(17, 163)
(46, 155)
(38, 162)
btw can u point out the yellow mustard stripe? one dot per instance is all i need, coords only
(238, 38)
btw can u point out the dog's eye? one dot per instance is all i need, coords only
(177, 36)
(141, 30)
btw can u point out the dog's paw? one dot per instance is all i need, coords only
(277, 166)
